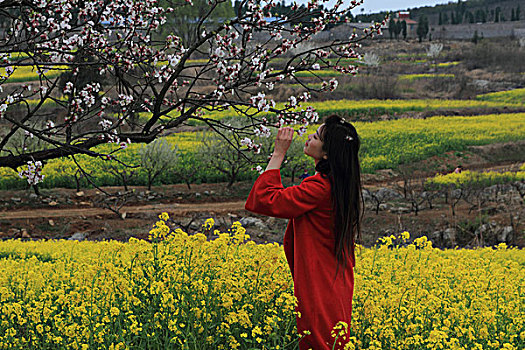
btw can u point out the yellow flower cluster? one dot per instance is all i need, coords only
(30, 73)
(475, 178)
(414, 296)
(411, 77)
(510, 96)
(186, 292)
(178, 291)
(448, 64)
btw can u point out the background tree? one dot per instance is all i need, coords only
(404, 29)
(156, 158)
(186, 22)
(223, 156)
(392, 27)
(422, 28)
(399, 28)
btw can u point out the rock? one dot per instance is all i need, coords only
(207, 193)
(400, 210)
(197, 194)
(12, 232)
(483, 230)
(151, 198)
(435, 236)
(449, 237)
(51, 222)
(384, 206)
(53, 203)
(16, 199)
(25, 234)
(80, 194)
(455, 193)
(481, 83)
(78, 236)
(387, 193)
(123, 215)
(505, 235)
(33, 196)
(257, 223)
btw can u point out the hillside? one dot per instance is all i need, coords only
(472, 11)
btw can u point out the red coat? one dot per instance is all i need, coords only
(323, 300)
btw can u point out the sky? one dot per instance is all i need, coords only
(371, 6)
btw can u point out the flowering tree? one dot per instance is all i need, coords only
(143, 84)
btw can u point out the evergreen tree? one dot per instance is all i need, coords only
(518, 13)
(404, 28)
(470, 17)
(512, 18)
(422, 28)
(440, 19)
(445, 18)
(392, 27)
(399, 28)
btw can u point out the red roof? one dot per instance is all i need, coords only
(408, 20)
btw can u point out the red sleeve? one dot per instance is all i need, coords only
(269, 197)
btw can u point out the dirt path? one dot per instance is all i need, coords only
(170, 208)
(174, 209)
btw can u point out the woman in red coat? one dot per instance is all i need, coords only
(325, 212)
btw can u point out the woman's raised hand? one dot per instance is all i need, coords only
(283, 140)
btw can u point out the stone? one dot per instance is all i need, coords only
(387, 193)
(400, 210)
(33, 196)
(207, 193)
(197, 194)
(51, 222)
(505, 235)
(483, 230)
(80, 194)
(78, 236)
(384, 206)
(449, 236)
(53, 203)
(481, 83)
(455, 193)
(435, 236)
(16, 199)
(257, 223)
(366, 196)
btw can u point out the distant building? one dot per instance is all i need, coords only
(411, 24)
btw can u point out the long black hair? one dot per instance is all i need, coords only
(341, 144)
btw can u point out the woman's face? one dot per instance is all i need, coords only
(314, 146)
